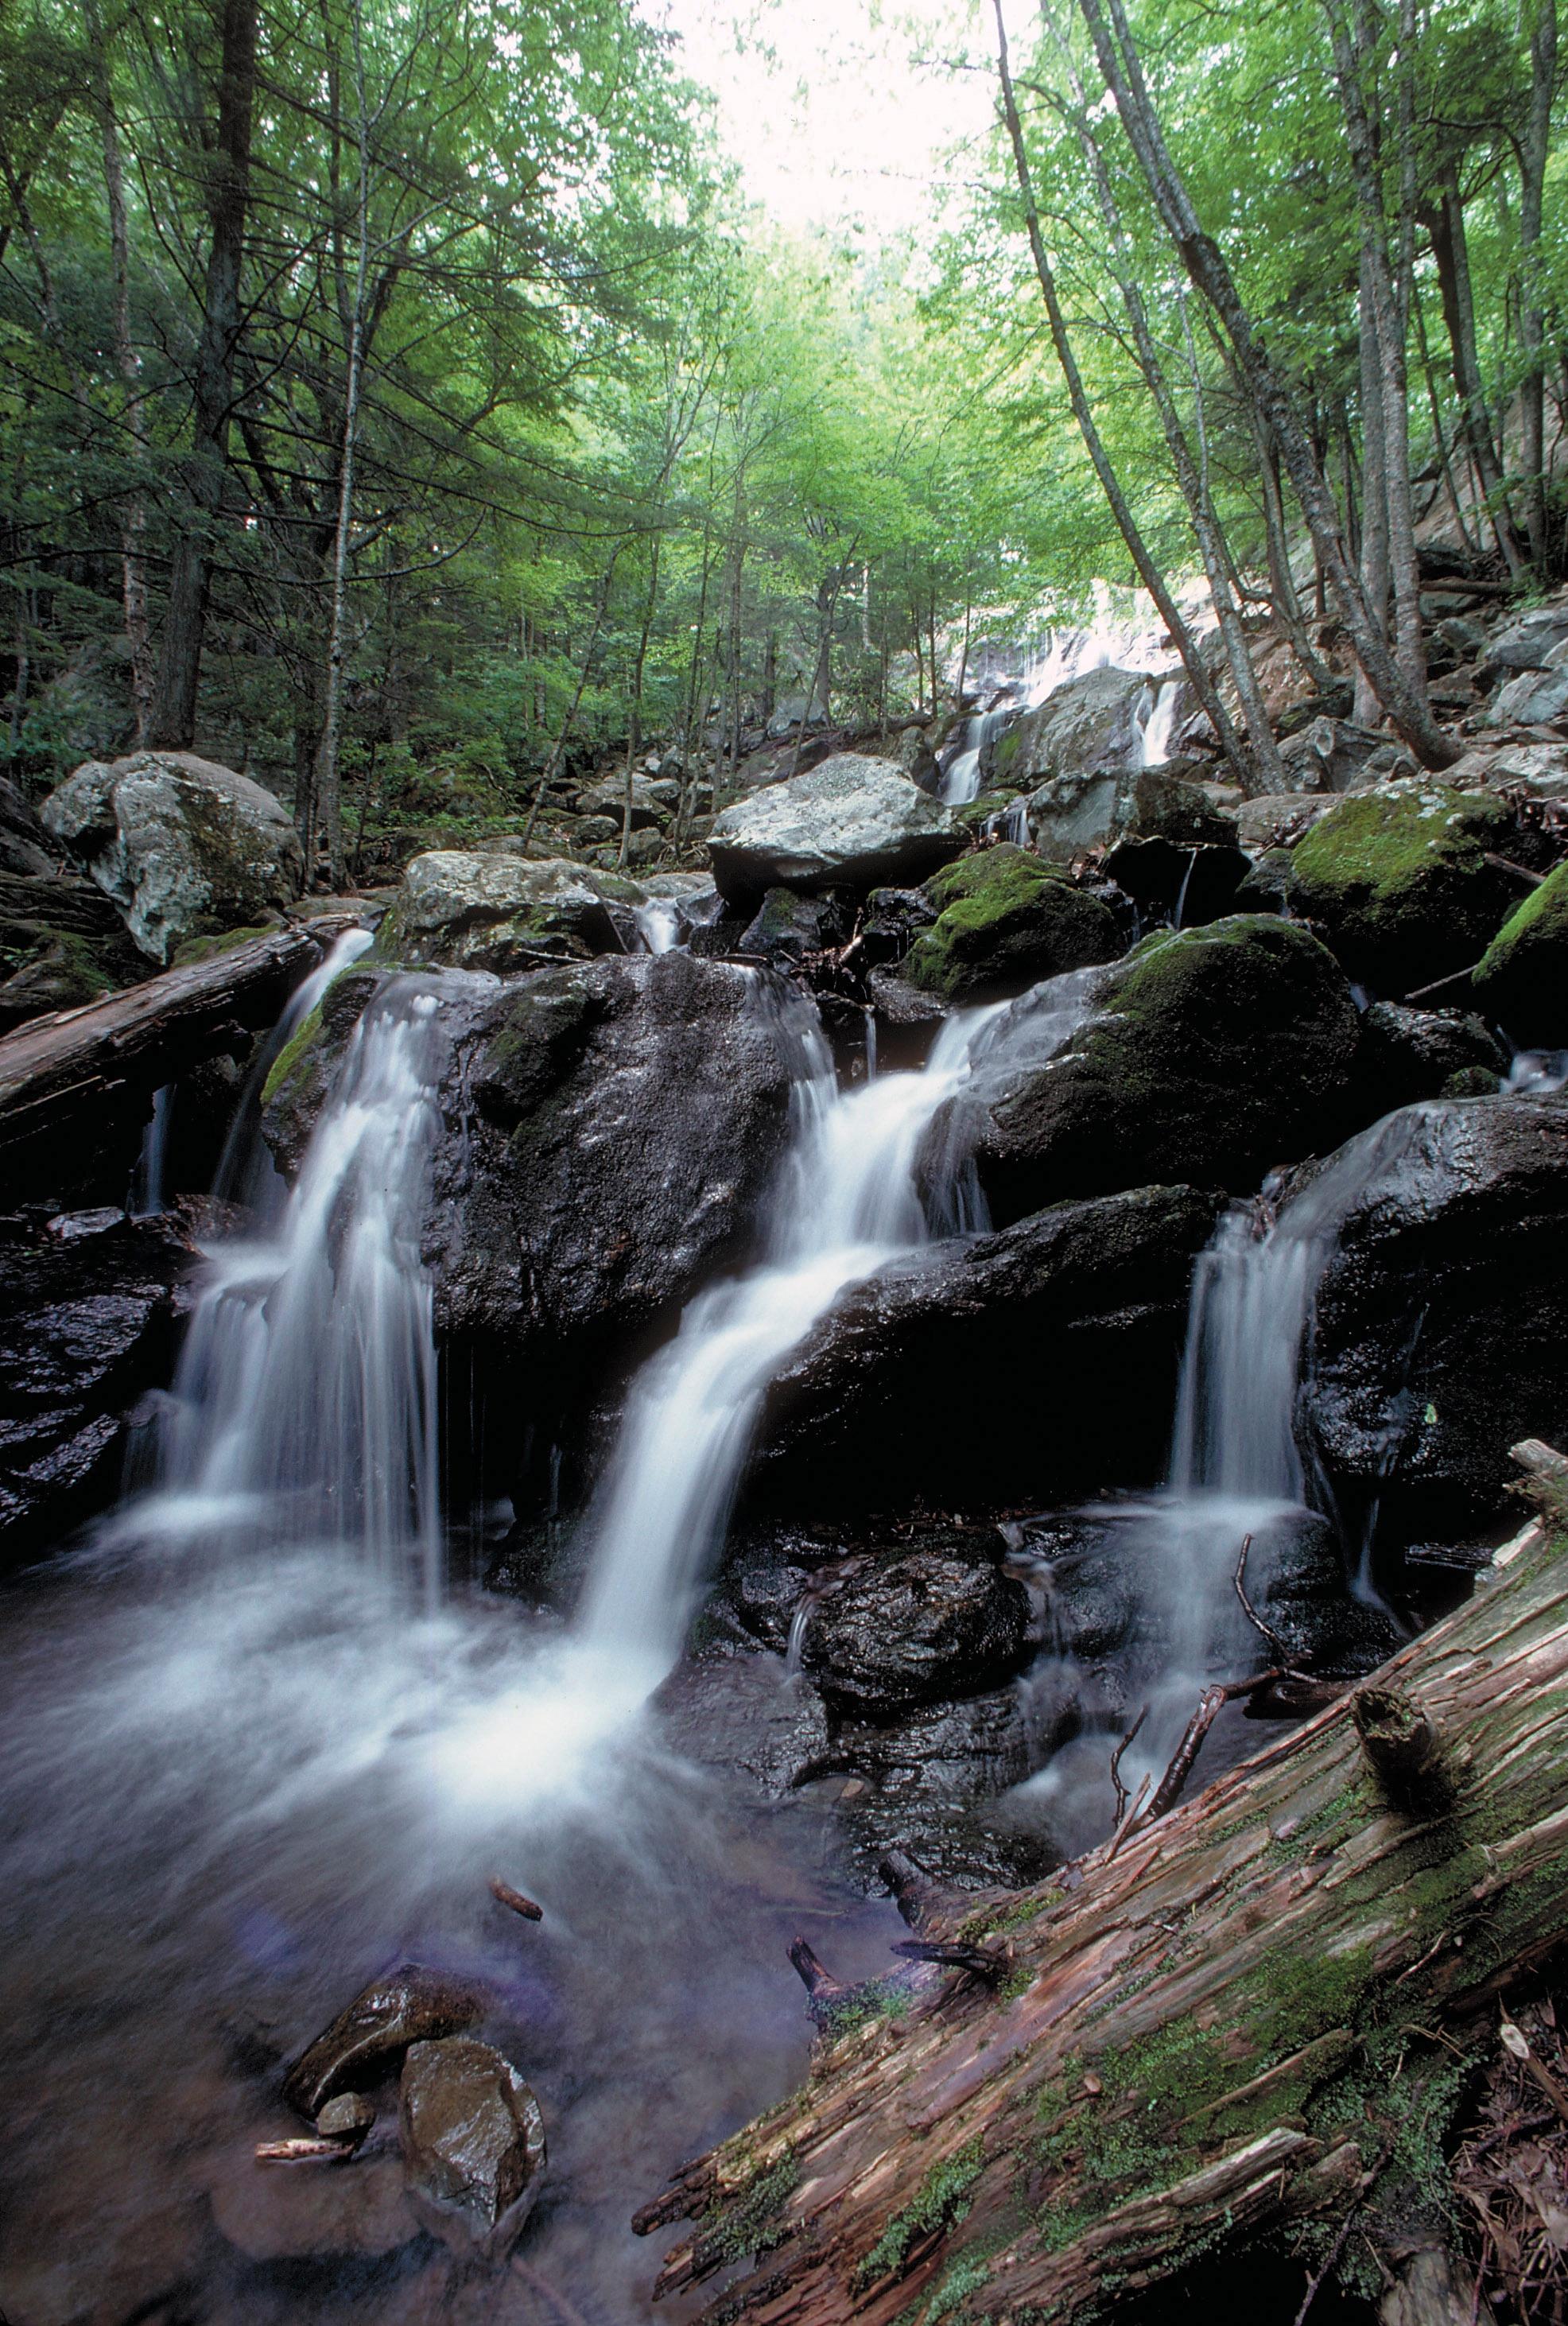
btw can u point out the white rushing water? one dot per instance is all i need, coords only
(146, 1198)
(1157, 718)
(304, 1404)
(850, 1200)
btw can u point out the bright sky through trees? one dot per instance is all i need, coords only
(838, 113)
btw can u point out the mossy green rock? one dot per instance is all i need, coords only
(1398, 879)
(1522, 979)
(1006, 919)
(1208, 1056)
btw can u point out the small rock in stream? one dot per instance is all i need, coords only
(347, 2118)
(473, 2139)
(410, 2004)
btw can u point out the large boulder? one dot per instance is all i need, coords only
(1525, 644)
(64, 943)
(1039, 1360)
(87, 1325)
(852, 822)
(1006, 919)
(1330, 754)
(612, 1126)
(184, 847)
(1207, 1056)
(472, 909)
(1522, 978)
(1442, 1320)
(1090, 723)
(408, 2004)
(1399, 879)
(1536, 698)
(1407, 1055)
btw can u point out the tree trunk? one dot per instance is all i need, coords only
(1240, 2017)
(134, 518)
(547, 772)
(1207, 269)
(1533, 156)
(1451, 249)
(1374, 491)
(172, 724)
(76, 1064)
(1153, 580)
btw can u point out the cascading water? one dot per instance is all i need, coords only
(1156, 723)
(961, 781)
(850, 1201)
(658, 925)
(304, 1405)
(146, 1198)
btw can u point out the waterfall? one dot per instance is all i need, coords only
(848, 1201)
(146, 1198)
(961, 781)
(303, 1408)
(658, 925)
(1157, 718)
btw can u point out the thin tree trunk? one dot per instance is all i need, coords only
(329, 788)
(1153, 579)
(1374, 487)
(1451, 249)
(134, 516)
(1429, 370)
(635, 710)
(1207, 269)
(1384, 380)
(548, 772)
(172, 724)
(1533, 157)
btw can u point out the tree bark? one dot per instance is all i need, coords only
(1224, 2024)
(1154, 580)
(172, 724)
(1451, 250)
(1533, 157)
(1207, 269)
(74, 1064)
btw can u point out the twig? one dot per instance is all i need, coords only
(1520, 872)
(1437, 984)
(504, 1896)
(988, 1963)
(1127, 1823)
(1249, 1611)
(1168, 1792)
(1121, 1793)
(302, 2152)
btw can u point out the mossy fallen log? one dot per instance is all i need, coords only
(1254, 2017)
(112, 1053)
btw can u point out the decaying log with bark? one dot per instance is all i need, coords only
(1252, 2019)
(114, 1053)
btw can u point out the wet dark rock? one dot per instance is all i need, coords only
(473, 2141)
(67, 942)
(948, 1753)
(410, 2004)
(349, 2118)
(1441, 1318)
(305, 1069)
(1399, 881)
(1165, 805)
(1211, 1054)
(1407, 1055)
(1064, 1332)
(1297, 1579)
(24, 846)
(86, 1328)
(611, 1129)
(787, 927)
(911, 1629)
(1196, 884)
(729, 1711)
(890, 922)
(1006, 919)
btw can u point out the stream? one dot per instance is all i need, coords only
(264, 1747)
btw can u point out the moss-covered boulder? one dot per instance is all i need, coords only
(1522, 979)
(1398, 879)
(1003, 920)
(1205, 1056)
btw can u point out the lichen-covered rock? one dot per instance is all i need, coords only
(462, 910)
(181, 845)
(86, 1328)
(1441, 1319)
(1536, 698)
(1522, 978)
(1398, 879)
(1037, 1320)
(908, 1631)
(852, 822)
(473, 2143)
(1209, 1056)
(1003, 920)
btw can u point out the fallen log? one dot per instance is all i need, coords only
(1252, 2018)
(114, 1053)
